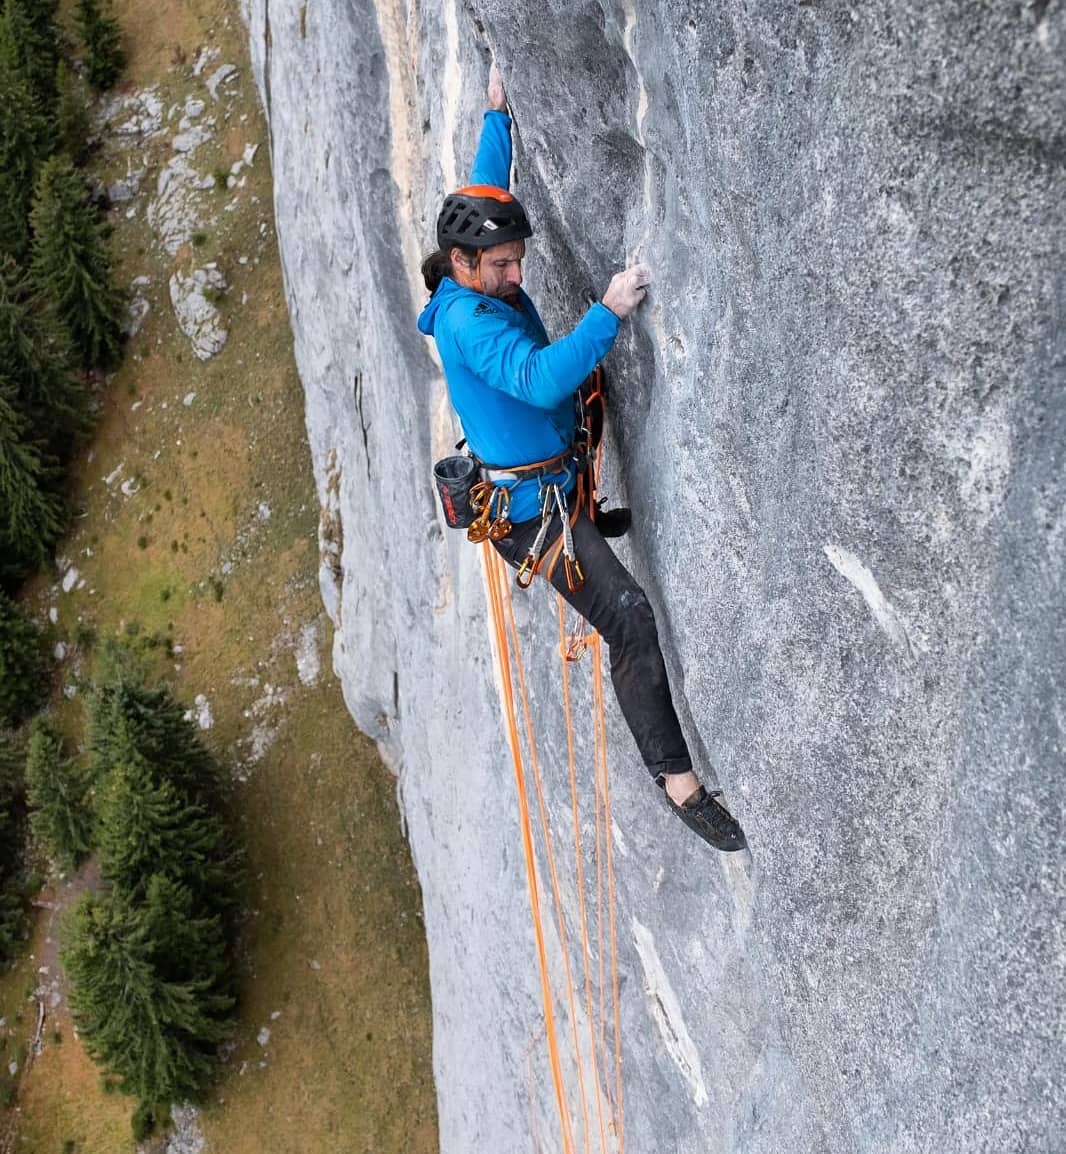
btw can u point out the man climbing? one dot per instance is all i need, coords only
(515, 394)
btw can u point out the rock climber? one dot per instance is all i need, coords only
(514, 392)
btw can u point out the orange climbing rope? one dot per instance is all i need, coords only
(608, 1112)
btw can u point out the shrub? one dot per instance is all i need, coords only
(142, 1123)
(71, 265)
(102, 36)
(32, 512)
(24, 666)
(58, 794)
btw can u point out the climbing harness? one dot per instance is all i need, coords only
(596, 1067)
(482, 506)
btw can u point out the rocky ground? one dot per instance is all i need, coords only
(196, 541)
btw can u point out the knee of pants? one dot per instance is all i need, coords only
(632, 622)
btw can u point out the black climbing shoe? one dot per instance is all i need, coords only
(705, 814)
(614, 522)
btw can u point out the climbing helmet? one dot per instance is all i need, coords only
(480, 216)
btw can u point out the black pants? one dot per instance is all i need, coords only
(617, 608)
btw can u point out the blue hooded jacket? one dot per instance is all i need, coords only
(512, 389)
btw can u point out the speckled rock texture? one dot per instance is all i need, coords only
(840, 419)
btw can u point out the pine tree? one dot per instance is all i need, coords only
(104, 57)
(23, 135)
(37, 361)
(151, 990)
(71, 264)
(58, 795)
(24, 672)
(146, 826)
(37, 41)
(72, 114)
(32, 515)
(126, 713)
(11, 789)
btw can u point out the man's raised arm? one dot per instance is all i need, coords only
(492, 164)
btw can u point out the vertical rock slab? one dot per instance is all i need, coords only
(840, 421)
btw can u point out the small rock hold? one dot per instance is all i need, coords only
(203, 58)
(220, 76)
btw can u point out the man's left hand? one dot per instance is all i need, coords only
(496, 96)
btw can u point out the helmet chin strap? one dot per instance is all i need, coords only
(470, 279)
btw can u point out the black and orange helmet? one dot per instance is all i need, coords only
(480, 216)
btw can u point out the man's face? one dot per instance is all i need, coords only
(501, 270)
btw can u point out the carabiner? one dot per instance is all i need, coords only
(526, 572)
(572, 567)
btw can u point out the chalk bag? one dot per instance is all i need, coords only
(454, 478)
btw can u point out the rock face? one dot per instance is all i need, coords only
(840, 420)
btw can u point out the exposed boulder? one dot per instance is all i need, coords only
(198, 317)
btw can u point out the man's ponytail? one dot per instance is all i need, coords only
(438, 265)
(435, 268)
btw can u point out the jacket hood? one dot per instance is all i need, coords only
(444, 293)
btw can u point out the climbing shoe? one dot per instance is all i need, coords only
(705, 814)
(614, 522)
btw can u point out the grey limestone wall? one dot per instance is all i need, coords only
(840, 420)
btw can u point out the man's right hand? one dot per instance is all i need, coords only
(627, 289)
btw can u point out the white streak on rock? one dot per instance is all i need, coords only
(850, 567)
(399, 40)
(666, 1010)
(450, 96)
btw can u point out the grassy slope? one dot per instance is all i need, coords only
(347, 1066)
